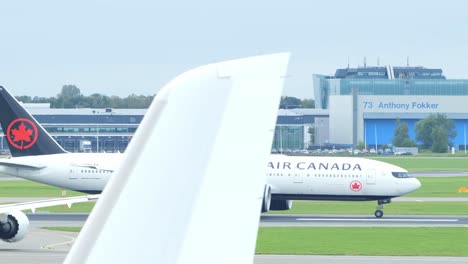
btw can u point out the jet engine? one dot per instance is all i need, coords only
(266, 199)
(14, 226)
(281, 205)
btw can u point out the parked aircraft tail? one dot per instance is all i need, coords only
(25, 136)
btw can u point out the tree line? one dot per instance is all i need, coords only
(288, 102)
(70, 97)
(435, 132)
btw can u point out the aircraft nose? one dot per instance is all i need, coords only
(409, 185)
(417, 184)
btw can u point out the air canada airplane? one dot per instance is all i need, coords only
(43, 160)
(333, 178)
(36, 156)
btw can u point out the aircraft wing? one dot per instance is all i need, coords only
(190, 187)
(33, 205)
(21, 165)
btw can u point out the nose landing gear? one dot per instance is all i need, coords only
(379, 213)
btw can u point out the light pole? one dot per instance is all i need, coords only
(365, 138)
(464, 136)
(281, 139)
(375, 135)
(97, 138)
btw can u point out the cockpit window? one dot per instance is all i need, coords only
(401, 175)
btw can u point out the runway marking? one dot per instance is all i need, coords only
(52, 246)
(377, 220)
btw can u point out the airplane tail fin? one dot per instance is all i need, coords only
(25, 136)
(187, 190)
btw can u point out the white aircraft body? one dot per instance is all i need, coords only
(161, 206)
(38, 157)
(288, 177)
(84, 172)
(333, 178)
(28, 141)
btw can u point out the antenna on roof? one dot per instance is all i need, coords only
(348, 62)
(365, 61)
(407, 61)
(378, 61)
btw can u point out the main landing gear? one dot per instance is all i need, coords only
(379, 213)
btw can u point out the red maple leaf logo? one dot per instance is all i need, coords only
(22, 136)
(22, 133)
(355, 186)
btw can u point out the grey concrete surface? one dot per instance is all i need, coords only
(364, 220)
(39, 246)
(297, 259)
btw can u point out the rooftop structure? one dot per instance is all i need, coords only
(385, 80)
(388, 72)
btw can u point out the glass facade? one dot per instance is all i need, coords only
(89, 129)
(389, 87)
(107, 133)
(289, 137)
(404, 87)
(381, 131)
(113, 133)
(98, 143)
(386, 80)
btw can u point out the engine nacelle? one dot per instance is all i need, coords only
(15, 227)
(281, 205)
(266, 199)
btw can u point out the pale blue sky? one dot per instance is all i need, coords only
(123, 47)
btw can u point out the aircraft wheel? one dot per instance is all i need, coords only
(378, 213)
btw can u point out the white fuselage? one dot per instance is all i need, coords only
(336, 178)
(87, 172)
(294, 178)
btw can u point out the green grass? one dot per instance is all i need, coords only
(416, 163)
(61, 228)
(431, 187)
(75, 208)
(329, 207)
(31, 189)
(398, 208)
(440, 187)
(376, 241)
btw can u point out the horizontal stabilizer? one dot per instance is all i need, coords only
(21, 166)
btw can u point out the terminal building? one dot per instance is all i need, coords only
(298, 129)
(110, 130)
(104, 130)
(364, 103)
(352, 106)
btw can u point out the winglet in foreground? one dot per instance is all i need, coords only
(190, 188)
